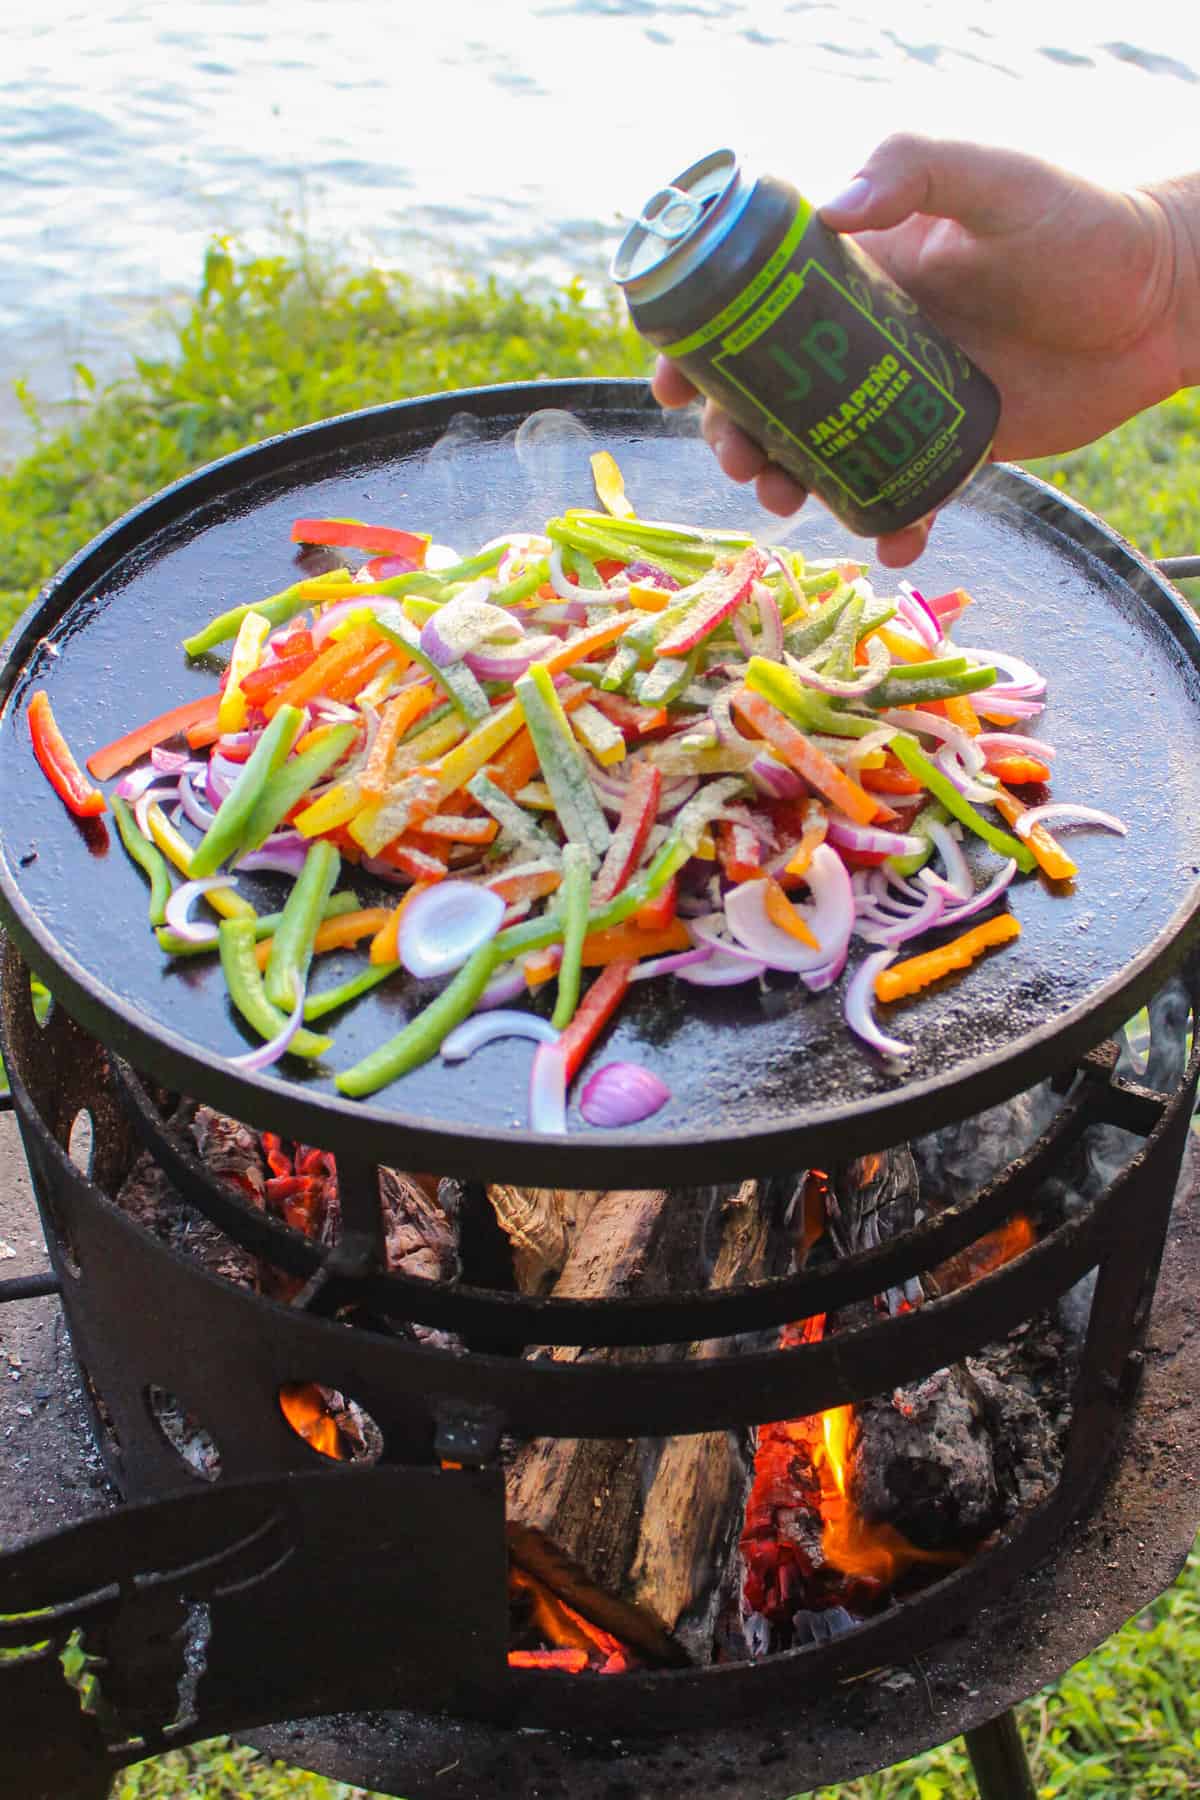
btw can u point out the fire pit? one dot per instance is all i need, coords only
(180, 1599)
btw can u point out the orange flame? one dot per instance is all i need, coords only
(848, 1541)
(985, 1256)
(566, 1629)
(303, 1406)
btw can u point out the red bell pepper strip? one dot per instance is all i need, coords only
(806, 758)
(268, 678)
(353, 534)
(632, 720)
(122, 751)
(723, 598)
(595, 1010)
(639, 809)
(57, 763)
(659, 911)
(739, 850)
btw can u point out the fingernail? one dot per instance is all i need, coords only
(853, 197)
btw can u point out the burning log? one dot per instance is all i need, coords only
(232, 1152)
(633, 1535)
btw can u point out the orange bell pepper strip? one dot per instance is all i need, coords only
(333, 660)
(781, 912)
(336, 933)
(657, 914)
(57, 763)
(409, 705)
(351, 681)
(916, 972)
(118, 755)
(268, 678)
(819, 770)
(516, 763)
(960, 712)
(618, 944)
(458, 828)
(385, 945)
(1052, 858)
(533, 885)
(419, 861)
(593, 1013)
(1015, 770)
(353, 534)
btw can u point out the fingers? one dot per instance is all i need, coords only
(987, 189)
(669, 385)
(900, 548)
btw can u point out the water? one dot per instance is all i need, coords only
(518, 135)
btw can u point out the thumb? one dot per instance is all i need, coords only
(987, 189)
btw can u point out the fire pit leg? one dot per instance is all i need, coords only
(998, 1760)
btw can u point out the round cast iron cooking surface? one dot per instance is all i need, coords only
(759, 1080)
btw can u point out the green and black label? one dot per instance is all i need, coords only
(813, 358)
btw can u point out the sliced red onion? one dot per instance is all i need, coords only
(154, 796)
(970, 789)
(723, 967)
(171, 762)
(817, 980)
(134, 784)
(1003, 704)
(483, 1028)
(500, 665)
(710, 931)
(771, 643)
(468, 622)
(548, 1090)
(383, 568)
(830, 918)
(870, 838)
(932, 725)
(916, 611)
(860, 1009)
(284, 859)
(1006, 741)
(194, 809)
(955, 912)
(324, 623)
(385, 871)
(775, 779)
(219, 777)
(444, 925)
(958, 874)
(746, 641)
(332, 712)
(508, 983)
(275, 1047)
(878, 664)
(1023, 679)
(622, 1093)
(178, 908)
(921, 918)
(672, 964)
(1061, 813)
(646, 575)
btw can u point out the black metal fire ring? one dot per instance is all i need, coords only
(775, 1084)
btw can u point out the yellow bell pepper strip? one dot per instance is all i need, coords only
(118, 755)
(401, 712)
(943, 789)
(353, 534)
(335, 807)
(574, 900)
(337, 932)
(562, 762)
(649, 599)
(610, 485)
(227, 833)
(148, 857)
(278, 608)
(421, 1038)
(444, 730)
(462, 689)
(1051, 857)
(488, 739)
(903, 648)
(408, 802)
(57, 763)
(317, 1005)
(234, 708)
(292, 780)
(235, 941)
(176, 849)
(292, 945)
(265, 926)
(819, 770)
(597, 734)
(917, 972)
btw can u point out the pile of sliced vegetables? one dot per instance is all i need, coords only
(616, 746)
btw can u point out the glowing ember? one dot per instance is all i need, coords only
(303, 1406)
(985, 1256)
(577, 1643)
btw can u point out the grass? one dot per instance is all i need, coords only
(275, 342)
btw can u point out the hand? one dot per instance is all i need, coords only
(1078, 301)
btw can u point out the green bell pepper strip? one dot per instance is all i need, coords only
(265, 926)
(666, 681)
(638, 643)
(236, 941)
(511, 818)
(287, 967)
(148, 857)
(838, 658)
(421, 1038)
(292, 780)
(465, 693)
(317, 1005)
(227, 832)
(575, 895)
(685, 539)
(943, 789)
(582, 568)
(916, 689)
(563, 763)
(522, 586)
(279, 608)
(933, 814)
(602, 544)
(431, 584)
(802, 639)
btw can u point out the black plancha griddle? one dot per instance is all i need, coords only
(760, 1079)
